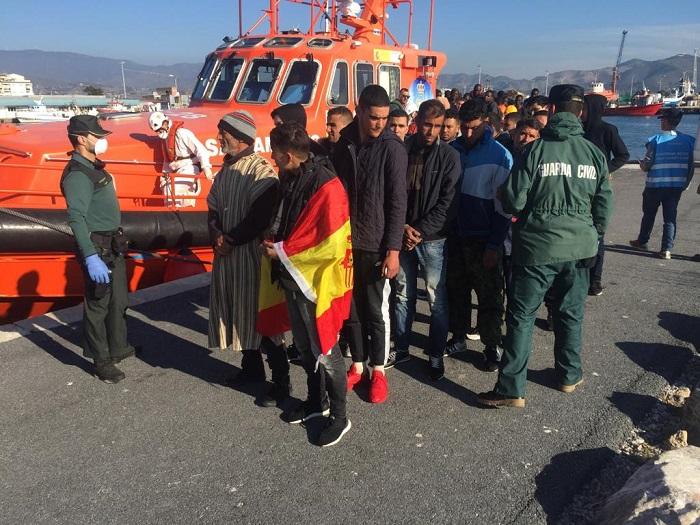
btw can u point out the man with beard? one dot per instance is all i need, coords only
(241, 203)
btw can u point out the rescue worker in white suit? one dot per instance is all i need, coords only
(183, 154)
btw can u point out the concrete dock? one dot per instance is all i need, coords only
(173, 444)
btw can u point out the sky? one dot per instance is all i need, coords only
(517, 38)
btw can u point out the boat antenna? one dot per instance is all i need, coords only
(695, 68)
(240, 18)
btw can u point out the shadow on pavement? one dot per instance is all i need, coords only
(59, 352)
(664, 360)
(682, 326)
(635, 406)
(564, 477)
(628, 250)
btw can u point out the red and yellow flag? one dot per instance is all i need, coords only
(318, 255)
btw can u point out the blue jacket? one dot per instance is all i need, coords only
(670, 156)
(485, 168)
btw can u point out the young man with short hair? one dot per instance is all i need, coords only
(433, 172)
(450, 126)
(314, 211)
(405, 103)
(371, 161)
(398, 123)
(337, 119)
(475, 255)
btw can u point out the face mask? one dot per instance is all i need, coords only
(100, 146)
(163, 134)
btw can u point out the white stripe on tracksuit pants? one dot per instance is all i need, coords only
(368, 326)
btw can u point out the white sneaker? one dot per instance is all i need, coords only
(665, 254)
(473, 334)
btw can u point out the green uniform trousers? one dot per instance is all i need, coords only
(466, 272)
(569, 287)
(104, 319)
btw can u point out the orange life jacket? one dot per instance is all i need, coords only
(168, 145)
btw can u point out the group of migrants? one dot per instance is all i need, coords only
(506, 199)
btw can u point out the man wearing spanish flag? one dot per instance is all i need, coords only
(311, 256)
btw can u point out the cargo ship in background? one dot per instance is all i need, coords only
(319, 68)
(644, 103)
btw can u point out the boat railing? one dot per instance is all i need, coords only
(155, 198)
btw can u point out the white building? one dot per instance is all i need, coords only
(13, 85)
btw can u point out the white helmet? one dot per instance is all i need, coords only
(156, 119)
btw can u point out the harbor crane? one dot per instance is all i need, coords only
(616, 69)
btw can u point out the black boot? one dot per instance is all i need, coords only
(252, 368)
(108, 373)
(281, 388)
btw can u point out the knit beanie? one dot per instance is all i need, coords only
(240, 124)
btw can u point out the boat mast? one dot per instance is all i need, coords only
(616, 69)
(695, 69)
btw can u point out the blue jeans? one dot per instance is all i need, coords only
(432, 257)
(668, 199)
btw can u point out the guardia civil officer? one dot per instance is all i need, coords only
(560, 193)
(94, 218)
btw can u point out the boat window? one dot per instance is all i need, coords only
(249, 42)
(283, 41)
(260, 80)
(364, 76)
(300, 83)
(320, 42)
(203, 78)
(226, 78)
(390, 79)
(339, 95)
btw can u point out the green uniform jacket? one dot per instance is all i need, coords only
(90, 209)
(560, 193)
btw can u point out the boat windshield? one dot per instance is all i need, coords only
(260, 80)
(226, 77)
(300, 83)
(203, 78)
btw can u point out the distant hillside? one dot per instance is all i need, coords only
(60, 72)
(656, 74)
(65, 72)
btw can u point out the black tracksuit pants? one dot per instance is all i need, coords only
(369, 317)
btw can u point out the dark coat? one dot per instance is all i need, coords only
(436, 197)
(603, 134)
(374, 175)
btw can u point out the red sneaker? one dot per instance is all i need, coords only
(353, 378)
(378, 388)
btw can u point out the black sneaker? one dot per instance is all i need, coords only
(293, 355)
(302, 413)
(275, 395)
(456, 345)
(595, 289)
(550, 321)
(109, 373)
(492, 358)
(436, 368)
(333, 432)
(136, 350)
(396, 357)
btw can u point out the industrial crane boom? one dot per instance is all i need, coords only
(616, 69)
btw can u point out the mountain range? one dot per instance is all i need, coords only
(61, 72)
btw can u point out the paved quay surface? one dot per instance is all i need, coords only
(172, 444)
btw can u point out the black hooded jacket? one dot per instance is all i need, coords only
(602, 134)
(374, 175)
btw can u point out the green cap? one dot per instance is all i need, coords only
(86, 124)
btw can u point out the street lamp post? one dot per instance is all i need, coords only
(546, 82)
(479, 82)
(174, 77)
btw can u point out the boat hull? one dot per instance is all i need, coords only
(633, 111)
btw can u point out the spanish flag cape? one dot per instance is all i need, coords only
(318, 256)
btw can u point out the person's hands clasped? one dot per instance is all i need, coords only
(222, 247)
